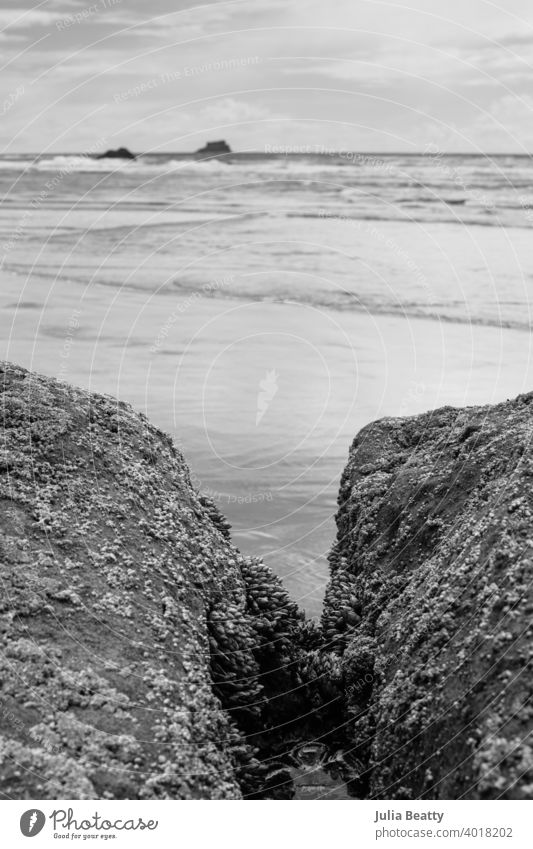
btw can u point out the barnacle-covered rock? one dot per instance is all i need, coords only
(130, 663)
(142, 656)
(434, 557)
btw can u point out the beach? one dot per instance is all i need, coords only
(261, 311)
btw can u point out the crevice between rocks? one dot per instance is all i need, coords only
(153, 660)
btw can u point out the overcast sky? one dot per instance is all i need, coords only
(345, 74)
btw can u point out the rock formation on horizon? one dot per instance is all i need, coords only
(118, 153)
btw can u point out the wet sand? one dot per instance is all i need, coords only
(263, 398)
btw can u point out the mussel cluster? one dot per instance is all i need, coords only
(219, 521)
(342, 610)
(249, 771)
(234, 669)
(274, 617)
(252, 644)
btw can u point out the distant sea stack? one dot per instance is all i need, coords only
(214, 148)
(430, 603)
(118, 153)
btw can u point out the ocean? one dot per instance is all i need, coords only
(262, 308)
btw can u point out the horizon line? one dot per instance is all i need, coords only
(324, 151)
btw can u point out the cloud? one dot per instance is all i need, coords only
(27, 18)
(384, 67)
(508, 124)
(229, 112)
(504, 126)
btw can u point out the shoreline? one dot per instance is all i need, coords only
(292, 528)
(175, 649)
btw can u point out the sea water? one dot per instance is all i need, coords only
(263, 308)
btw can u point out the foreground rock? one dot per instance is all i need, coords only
(142, 656)
(137, 645)
(430, 603)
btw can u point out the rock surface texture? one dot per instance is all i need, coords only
(142, 656)
(430, 603)
(136, 643)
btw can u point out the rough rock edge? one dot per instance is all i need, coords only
(144, 657)
(137, 645)
(428, 609)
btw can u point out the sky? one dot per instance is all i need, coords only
(169, 75)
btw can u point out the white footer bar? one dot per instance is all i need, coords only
(267, 824)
